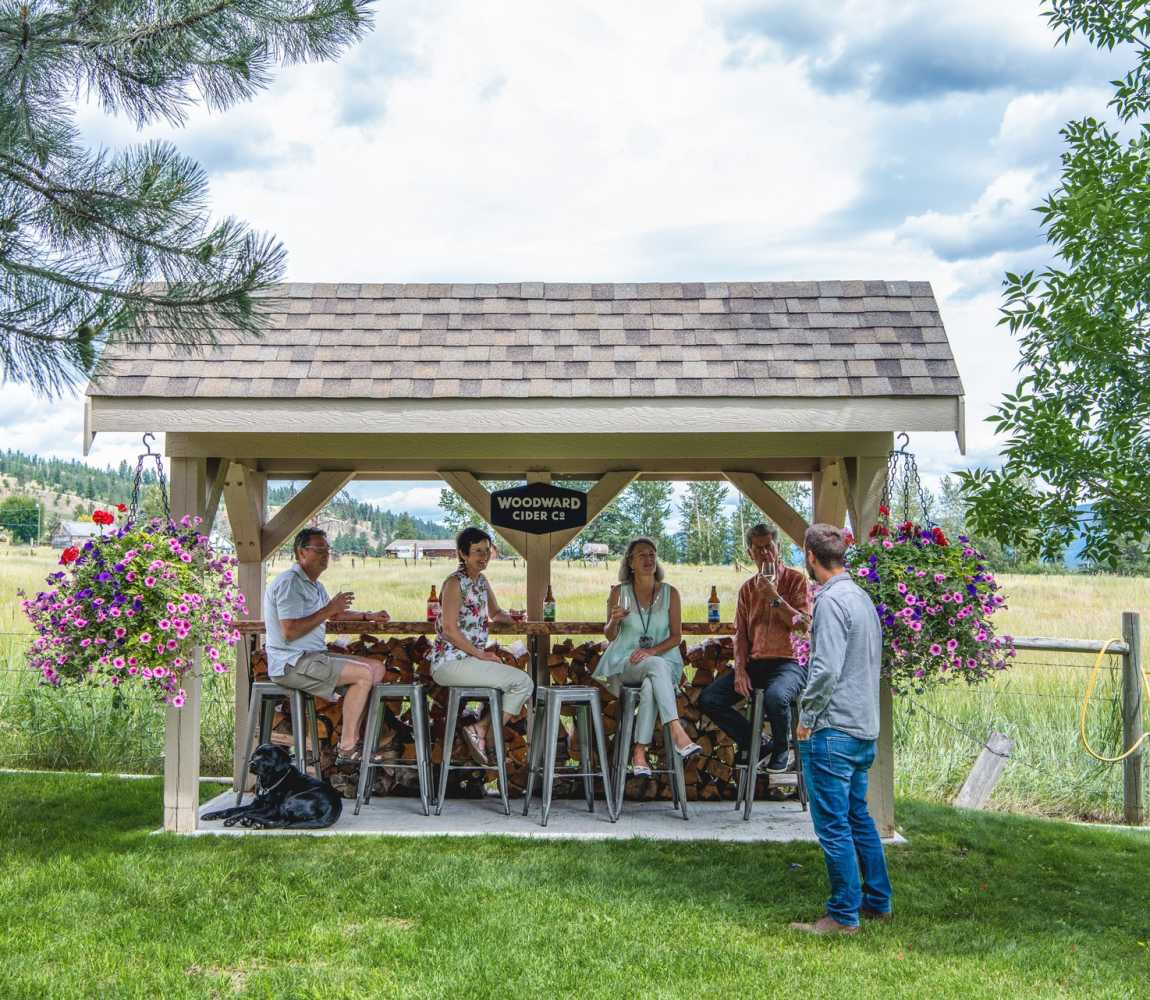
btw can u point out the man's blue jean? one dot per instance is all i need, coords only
(835, 765)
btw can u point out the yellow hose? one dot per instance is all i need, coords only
(1086, 704)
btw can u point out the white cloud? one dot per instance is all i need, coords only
(596, 141)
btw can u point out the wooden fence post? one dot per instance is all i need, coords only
(1133, 767)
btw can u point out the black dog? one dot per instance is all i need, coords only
(285, 798)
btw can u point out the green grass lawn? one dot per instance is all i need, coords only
(94, 905)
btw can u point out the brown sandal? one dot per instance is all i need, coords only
(352, 756)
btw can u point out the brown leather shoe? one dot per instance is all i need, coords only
(876, 915)
(826, 924)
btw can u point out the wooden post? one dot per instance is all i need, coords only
(988, 768)
(182, 725)
(866, 476)
(245, 492)
(1133, 767)
(538, 557)
(828, 486)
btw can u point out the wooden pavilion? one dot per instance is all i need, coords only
(747, 382)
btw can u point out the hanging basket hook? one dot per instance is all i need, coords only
(903, 440)
(147, 447)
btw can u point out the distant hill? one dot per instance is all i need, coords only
(69, 489)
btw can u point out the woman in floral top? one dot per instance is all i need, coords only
(460, 657)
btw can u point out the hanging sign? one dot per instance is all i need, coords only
(538, 508)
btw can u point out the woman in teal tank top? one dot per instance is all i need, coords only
(644, 624)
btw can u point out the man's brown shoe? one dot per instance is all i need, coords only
(825, 925)
(876, 915)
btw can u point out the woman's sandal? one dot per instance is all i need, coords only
(641, 770)
(352, 756)
(476, 745)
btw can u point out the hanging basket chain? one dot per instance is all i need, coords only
(902, 482)
(158, 461)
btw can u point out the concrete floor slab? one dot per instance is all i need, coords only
(569, 820)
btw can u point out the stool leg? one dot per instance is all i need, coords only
(601, 749)
(742, 786)
(535, 751)
(448, 740)
(801, 778)
(370, 737)
(313, 732)
(298, 729)
(255, 708)
(500, 751)
(667, 762)
(552, 739)
(586, 754)
(678, 781)
(419, 733)
(753, 754)
(623, 747)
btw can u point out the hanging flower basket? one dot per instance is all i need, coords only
(935, 601)
(130, 606)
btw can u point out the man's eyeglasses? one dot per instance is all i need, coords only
(318, 548)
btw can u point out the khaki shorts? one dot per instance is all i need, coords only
(317, 673)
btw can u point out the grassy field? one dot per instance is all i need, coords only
(937, 736)
(94, 906)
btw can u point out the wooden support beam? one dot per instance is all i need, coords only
(476, 494)
(789, 520)
(245, 494)
(601, 494)
(299, 509)
(829, 486)
(866, 480)
(217, 473)
(538, 557)
(182, 725)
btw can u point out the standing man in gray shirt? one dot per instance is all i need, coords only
(296, 609)
(838, 728)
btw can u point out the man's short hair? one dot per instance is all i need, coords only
(468, 537)
(827, 544)
(760, 529)
(303, 539)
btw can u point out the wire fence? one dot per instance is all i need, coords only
(937, 734)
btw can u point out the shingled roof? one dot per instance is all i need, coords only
(562, 341)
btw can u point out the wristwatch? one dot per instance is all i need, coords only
(777, 602)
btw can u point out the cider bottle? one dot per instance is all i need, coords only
(549, 606)
(434, 608)
(713, 607)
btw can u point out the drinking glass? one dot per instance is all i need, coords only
(625, 601)
(769, 571)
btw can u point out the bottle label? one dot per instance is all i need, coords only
(434, 609)
(549, 612)
(712, 613)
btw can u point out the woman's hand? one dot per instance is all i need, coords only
(616, 615)
(640, 655)
(489, 654)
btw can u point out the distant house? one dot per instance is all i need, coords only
(594, 551)
(73, 533)
(421, 548)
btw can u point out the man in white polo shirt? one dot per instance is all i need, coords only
(296, 609)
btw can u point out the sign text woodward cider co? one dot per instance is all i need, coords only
(538, 508)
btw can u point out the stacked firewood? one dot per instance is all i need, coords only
(710, 776)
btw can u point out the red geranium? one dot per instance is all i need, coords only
(122, 508)
(879, 530)
(939, 537)
(69, 555)
(848, 538)
(884, 510)
(102, 517)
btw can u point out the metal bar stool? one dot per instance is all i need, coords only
(588, 711)
(262, 699)
(750, 769)
(416, 694)
(458, 697)
(628, 706)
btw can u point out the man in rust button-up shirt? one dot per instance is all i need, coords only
(764, 658)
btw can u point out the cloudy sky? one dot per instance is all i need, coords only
(655, 141)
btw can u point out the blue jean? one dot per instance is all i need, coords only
(835, 765)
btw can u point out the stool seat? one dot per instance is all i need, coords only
(549, 705)
(748, 773)
(262, 698)
(456, 699)
(416, 694)
(628, 705)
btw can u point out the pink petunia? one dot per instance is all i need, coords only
(935, 649)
